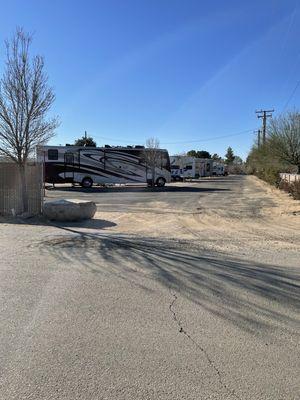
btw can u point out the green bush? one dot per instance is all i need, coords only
(269, 174)
(293, 188)
(284, 185)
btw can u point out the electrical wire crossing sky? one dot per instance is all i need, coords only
(189, 73)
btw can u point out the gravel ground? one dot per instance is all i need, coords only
(191, 292)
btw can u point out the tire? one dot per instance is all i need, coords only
(160, 182)
(87, 183)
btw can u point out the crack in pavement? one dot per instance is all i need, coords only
(210, 361)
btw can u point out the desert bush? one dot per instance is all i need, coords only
(270, 174)
(292, 188)
(295, 190)
(284, 185)
(262, 163)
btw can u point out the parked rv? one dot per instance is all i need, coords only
(104, 165)
(219, 169)
(184, 167)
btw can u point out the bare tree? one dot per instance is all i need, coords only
(284, 138)
(25, 99)
(152, 157)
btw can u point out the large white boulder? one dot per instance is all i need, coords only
(69, 210)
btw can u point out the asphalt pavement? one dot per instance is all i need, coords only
(213, 193)
(99, 315)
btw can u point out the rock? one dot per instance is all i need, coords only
(26, 215)
(69, 210)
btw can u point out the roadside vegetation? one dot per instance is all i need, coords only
(25, 100)
(85, 141)
(280, 153)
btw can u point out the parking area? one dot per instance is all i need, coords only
(180, 196)
(233, 213)
(188, 292)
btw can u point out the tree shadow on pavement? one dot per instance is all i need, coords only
(252, 296)
(139, 189)
(94, 223)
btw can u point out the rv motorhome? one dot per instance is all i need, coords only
(103, 165)
(184, 167)
(219, 169)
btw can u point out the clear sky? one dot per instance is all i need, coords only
(185, 71)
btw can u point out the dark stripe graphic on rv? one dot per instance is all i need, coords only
(103, 159)
(110, 169)
(62, 169)
(114, 155)
(125, 174)
(90, 170)
(122, 154)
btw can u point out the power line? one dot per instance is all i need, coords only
(291, 96)
(113, 140)
(185, 141)
(210, 139)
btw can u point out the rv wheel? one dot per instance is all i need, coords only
(160, 182)
(87, 183)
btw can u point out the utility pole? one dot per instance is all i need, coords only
(85, 138)
(264, 114)
(258, 137)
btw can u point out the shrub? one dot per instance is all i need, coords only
(295, 190)
(269, 174)
(284, 185)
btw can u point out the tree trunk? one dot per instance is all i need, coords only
(153, 176)
(24, 192)
(298, 168)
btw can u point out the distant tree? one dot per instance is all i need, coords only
(237, 160)
(203, 154)
(229, 156)
(216, 157)
(199, 154)
(85, 141)
(192, 153)
(284, 138)
(25, 99)
(152, 157)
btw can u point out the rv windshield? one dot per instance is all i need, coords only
(165, 160)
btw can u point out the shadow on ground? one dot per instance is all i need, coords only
(136, 189)
(253, 296)
(87, 224)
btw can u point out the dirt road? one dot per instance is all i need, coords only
(186, 293)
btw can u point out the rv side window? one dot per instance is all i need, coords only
(188, 167)
(52, 154)
(208, 167)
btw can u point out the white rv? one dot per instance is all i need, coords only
(219, 169)
(103, 165)
(184, 167)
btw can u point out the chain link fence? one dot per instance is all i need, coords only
(11, 188)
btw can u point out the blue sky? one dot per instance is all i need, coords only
(187, 72)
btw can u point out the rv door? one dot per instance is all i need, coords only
(69, 165)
